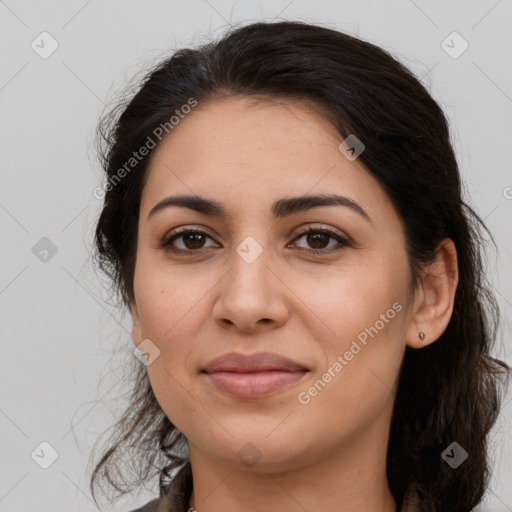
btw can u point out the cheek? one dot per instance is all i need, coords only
(168, 302)
(166, 297)
(347, 301)
(363, 319)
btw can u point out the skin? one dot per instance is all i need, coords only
(330, 453)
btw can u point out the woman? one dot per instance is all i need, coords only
(283, 218)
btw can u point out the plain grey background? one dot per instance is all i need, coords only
(63, 347)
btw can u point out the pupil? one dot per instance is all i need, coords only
(317, 236)
(195, 243)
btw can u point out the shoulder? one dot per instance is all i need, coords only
(152, 506)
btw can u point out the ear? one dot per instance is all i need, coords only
(136, 328)
(435, 295)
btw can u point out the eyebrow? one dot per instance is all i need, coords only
(281, 208)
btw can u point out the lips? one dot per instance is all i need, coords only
(260, 362)
(252, 376)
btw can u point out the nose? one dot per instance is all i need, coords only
(252, 296)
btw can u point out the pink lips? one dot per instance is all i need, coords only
(252, 376)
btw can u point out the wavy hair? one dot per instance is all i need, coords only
(449, 390)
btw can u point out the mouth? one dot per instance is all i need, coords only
(253, 376)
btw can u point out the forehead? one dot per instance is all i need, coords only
(244, 127)
(248, 151)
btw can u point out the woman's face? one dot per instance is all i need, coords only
(251, 282)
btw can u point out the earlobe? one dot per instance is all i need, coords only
(435, 297)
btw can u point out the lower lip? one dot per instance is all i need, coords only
(253, 385)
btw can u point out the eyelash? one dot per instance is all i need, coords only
(167, 243)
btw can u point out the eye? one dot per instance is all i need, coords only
(192, 239)
(318, 238)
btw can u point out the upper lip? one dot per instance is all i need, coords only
(260, 362)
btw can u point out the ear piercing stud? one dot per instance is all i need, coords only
(422, 336)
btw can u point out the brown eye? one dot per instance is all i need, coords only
(191, 240)
(318, 240)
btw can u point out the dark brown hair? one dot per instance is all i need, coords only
(449, 390)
